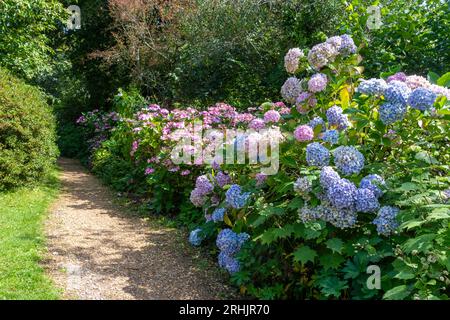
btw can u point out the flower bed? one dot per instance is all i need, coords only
(362, 180)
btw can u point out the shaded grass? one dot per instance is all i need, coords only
(22, 213)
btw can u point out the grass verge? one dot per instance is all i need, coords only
(22, 242)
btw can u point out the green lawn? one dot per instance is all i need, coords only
(22, 242)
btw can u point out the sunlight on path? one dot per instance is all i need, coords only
(96, 251)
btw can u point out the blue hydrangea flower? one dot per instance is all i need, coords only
(218, 214)
(342, 194)
(328, 176)
(397, 92)
(228, 241)
(386, 220)
(343, 122)
(422, 99)
(317, 155)
(307, 214)
(373, 183)
(228, 263)
(302, 185)
(340, 218)
(390, 112)
(372, 87)
(317, 121)
(331, 136)
(243, 237)
(334, 115)
(195, 237)
(366, 201)
(348, 160)
(235, 197)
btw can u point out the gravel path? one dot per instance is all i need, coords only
(96, 250)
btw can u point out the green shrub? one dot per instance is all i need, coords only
(27, 133)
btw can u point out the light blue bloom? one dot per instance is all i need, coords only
(348, 160)
(366, 201)
(317, 155)
(331, 136)
(235, 197)
(386, 220)
(373, 182)
(218, 214)
(195, 237)
(422, 99)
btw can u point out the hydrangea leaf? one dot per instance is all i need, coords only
(421, 243)
(331, 261)
(335, 244)
(332, 286)
(397, 293)
(304, 254)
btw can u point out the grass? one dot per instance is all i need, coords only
(22, 243)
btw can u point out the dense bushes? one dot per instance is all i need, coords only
(363, 180)
(412, 37)
(27, 133)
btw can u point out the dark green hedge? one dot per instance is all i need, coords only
(27, 133)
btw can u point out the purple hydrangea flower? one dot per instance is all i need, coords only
(292, 59)
(304, 133)
(397, 92)
(222, 179)
(348, 160)
(317, 155)
(334, 115)
(322, 54)
(399, 76)
(318, 82)
(347, 46)
(291, 89)
(272, 116)
(197, 198)
(257, 124)
(203, 185)
(260, 178)
(340, 218)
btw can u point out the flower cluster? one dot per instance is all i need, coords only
(302, 185)
(318, 82)
(229, 244)
(386, 220)
(304, 133)
(218, 214)
(196, 237)
(235, 197)
(348, 160)
(336, 118)
(317, 155)
(292, 59)
(291, 89)
(203, 187)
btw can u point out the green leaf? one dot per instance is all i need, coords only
(331, 261)
(439, 213)
(304, 254)
(426, 157)
(444, 80)
(408, 225)
(433, 77)
(332, 286)
(421, 243)
(397, 293)
(335, 244)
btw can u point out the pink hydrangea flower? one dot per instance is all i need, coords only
(149, 171)
(304, 133)
(272, 116)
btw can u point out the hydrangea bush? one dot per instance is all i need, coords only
(363, 180)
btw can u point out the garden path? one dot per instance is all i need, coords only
(97, 249)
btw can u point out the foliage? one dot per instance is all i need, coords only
(412, 37)
(314, 233)
(27, 133)
(26, 30)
